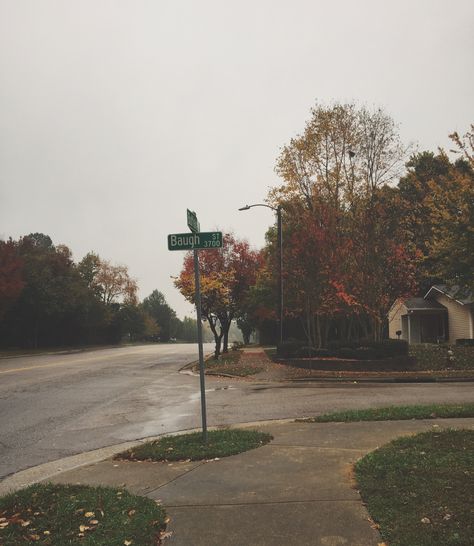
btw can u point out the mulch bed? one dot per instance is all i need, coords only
(268, 370)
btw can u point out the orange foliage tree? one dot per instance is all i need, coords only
(226, 276)
(345, 257)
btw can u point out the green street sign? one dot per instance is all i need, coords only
(191, 241)
(193, 223)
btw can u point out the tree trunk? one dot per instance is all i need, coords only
(225, 327)
(318, 332)
(349, 329)
(35, 333)
(327, 325)
(309, 334)
(377, 326)
(217, 336)
(226, 342)
(363, 324)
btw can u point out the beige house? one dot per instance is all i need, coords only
(446, 313)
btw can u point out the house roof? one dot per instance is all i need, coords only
(420, 304)
(463, 296)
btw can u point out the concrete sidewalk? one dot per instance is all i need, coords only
(297, 490)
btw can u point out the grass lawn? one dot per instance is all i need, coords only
(63, 515)
(230, 363)
(420, 490)
(221, 443)
(396, 413)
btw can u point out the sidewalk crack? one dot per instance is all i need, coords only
(358, 450)
(264, 503)
(176, 477)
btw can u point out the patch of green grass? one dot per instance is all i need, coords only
(420, 490)
(221, 443)
(396, 413)
(224, 359)
(229, 363)
(240, 371)
(74, 514)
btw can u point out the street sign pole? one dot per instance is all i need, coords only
(197, 281)
(194, 241)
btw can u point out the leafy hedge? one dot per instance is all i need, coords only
(440, 357)
(289, 347)
(359, 350)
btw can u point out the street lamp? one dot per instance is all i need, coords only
(280, 260)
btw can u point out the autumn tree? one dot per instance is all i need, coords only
(451, 214)
(11, 275)
(164, 316)
(114, 284)
(336, 216)
(52, 296)
(345, 152)
(437, 213)
(425, 170)
(226, 275)
(115, 299)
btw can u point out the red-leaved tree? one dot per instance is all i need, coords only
(226, 276)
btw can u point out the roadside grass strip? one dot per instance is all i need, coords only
(419, 490)
(395, 413)
(230, 364)
(63, 515)
(190, 447)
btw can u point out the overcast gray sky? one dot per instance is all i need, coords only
(117, 115)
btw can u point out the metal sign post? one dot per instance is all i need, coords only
(194, 241)
(197, 281)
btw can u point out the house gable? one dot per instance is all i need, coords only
(460, 311)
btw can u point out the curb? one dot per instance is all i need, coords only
(353, 379)
(35, 474)
(385, 379)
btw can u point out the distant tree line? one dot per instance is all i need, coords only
(48, 300)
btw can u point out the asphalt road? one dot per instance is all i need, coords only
(53, 406)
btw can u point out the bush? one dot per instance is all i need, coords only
(236, 345)
(387, 347)
(289, 348)
(365, 349)
(465, 342)
(365, 353)
(394, 347)
(307, 352)
(436, 357)
(346, 352)
(312, 352)
(322, 353)
(335, 345)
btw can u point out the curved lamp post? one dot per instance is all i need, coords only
(280, 260)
